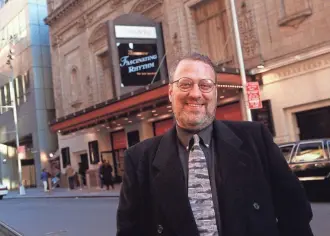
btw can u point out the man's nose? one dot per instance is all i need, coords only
(195, 91)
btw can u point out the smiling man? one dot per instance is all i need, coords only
(206, 177)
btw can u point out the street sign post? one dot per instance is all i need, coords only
(253, 94)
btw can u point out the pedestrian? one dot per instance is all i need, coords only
(100, 170)
(208, 177)
(44, 179)
(70, 173)
(107, 175)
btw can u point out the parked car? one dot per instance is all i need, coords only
(3, 191)
(309, 159)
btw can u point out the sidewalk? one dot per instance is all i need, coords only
(65, 193)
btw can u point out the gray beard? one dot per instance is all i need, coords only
(193, 127)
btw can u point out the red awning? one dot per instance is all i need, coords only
(112, 110)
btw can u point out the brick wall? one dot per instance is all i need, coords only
(305, 33)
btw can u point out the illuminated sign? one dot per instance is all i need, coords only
(138, 32)
(138, 63)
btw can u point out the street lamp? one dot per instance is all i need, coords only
(13, 105)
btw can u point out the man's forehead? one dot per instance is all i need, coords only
(194, 66)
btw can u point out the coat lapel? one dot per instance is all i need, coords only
(235, 167)
(170, 188)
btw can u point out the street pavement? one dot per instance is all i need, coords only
(65, 193)
(60, 216)
(92, 216)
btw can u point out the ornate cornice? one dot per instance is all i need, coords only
(144, 5)
(58, 12)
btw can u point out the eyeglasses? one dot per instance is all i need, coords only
(186, 84)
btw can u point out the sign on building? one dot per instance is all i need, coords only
(253, 94)
(138, 63)
(137, 54)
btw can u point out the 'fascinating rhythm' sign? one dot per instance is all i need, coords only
(138, 63)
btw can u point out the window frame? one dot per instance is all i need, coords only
(222, 13)
(310, 142)
(294, 145)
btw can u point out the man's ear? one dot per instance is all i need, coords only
(170, 92)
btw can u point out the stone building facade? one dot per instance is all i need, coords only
(294, 46)
(284, 44)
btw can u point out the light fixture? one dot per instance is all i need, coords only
(108, 127)
(153, 111)
(261, 66)
(129, 121)
(155, 114)
(131, 45)
(169, 107)
(103, 125)
(139, 115)
(222, 97)
(51, 155)
(170, 110)
(59, 131)
(125, 118)
(142, 118)
(118, 124)
(113, 122)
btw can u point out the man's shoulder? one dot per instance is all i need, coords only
(145, 145)
(243, 129)
(243, 125)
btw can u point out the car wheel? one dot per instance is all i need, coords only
(1, 197)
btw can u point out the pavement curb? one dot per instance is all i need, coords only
(54, 197)
(8, 230)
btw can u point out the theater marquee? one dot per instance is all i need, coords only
(136, 52)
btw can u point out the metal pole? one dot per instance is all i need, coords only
(240, 58)
(13, 103)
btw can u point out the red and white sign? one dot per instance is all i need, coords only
(21, 151)
(253, 95)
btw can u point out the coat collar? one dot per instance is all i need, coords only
(169, 182)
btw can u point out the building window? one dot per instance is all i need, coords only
(5, 97)
(66, 156)
(94, 152)
(21, 86)
(19, 90)
(290, 7)
(294, 12)
(213, 30)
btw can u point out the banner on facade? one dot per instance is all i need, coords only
(253, 95)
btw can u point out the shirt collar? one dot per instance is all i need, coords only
(186, 135)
